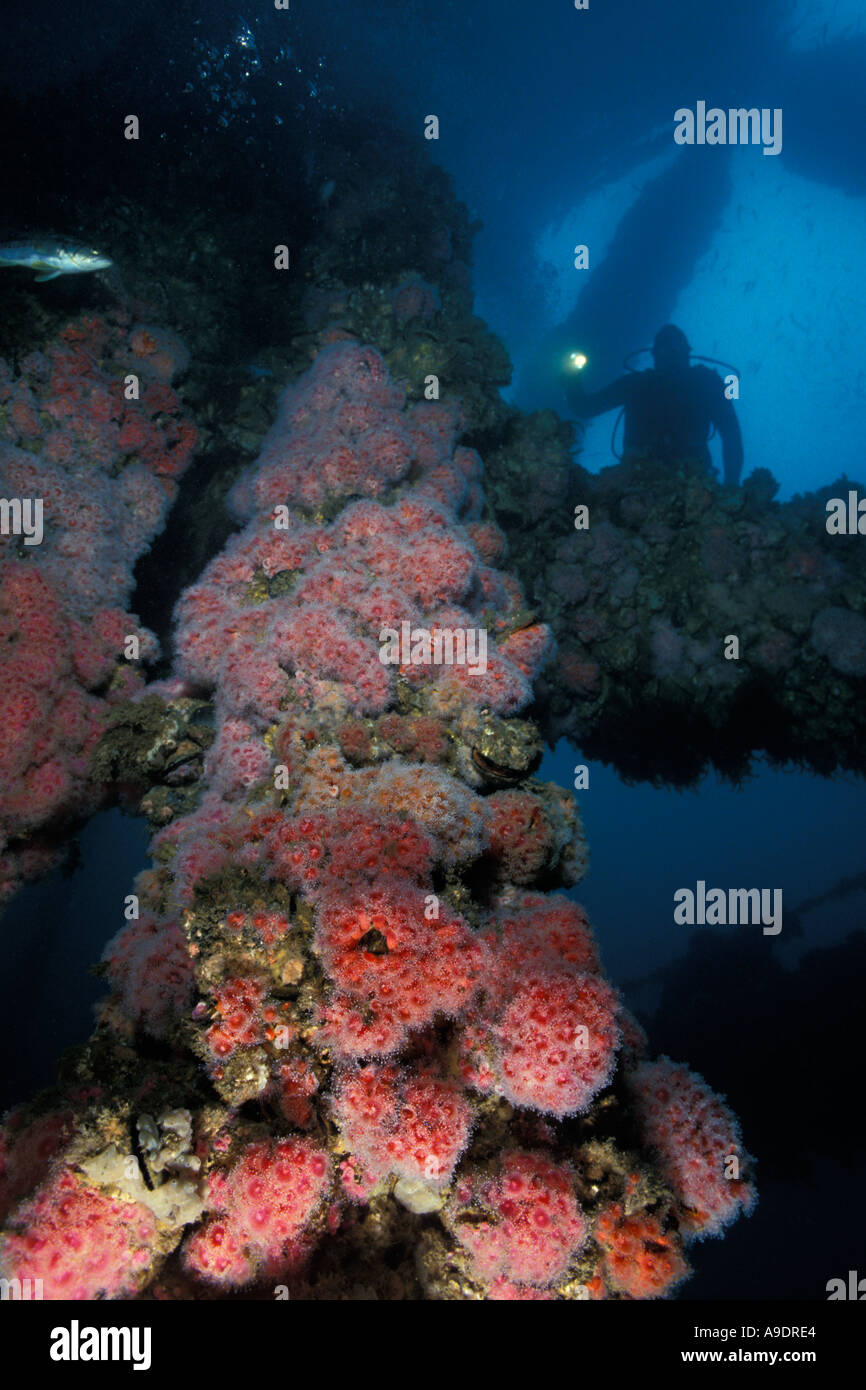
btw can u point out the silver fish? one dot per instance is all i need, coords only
(52, 256)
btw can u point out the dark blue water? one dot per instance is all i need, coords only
(556, 126)
(52, 932)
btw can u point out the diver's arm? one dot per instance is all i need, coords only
(728, 426)
(587, 404)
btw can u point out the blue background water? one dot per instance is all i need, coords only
(557, 128)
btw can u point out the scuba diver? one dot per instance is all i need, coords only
(669, 409)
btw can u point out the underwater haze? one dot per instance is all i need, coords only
(322, 391)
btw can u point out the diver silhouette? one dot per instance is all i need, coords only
(669, 408)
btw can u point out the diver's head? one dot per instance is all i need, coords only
(671, 349)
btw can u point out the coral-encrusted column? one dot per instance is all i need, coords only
(92, 443)
(352, 1002)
